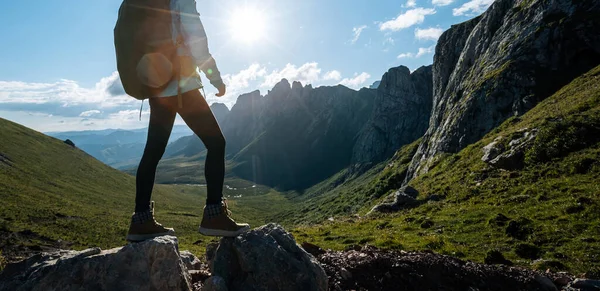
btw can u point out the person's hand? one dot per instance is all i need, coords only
(222, 91)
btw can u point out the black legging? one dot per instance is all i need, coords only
(197, 115)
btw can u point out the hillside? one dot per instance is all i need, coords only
(544, 213)
(54, 195)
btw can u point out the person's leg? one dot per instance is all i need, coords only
(143, 225)
(162, 117)
(197, 115)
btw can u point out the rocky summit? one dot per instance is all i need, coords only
(268, 258)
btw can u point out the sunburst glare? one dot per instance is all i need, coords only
(248, 25)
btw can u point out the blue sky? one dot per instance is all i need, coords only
(58, 61)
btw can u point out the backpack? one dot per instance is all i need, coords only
(147, 58)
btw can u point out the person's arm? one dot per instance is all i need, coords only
(195, 37)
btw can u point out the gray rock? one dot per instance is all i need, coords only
(586, 284)
(215, 283)
(546, 283)
(150, 265)
(267, 258)
(400, 114)
(190, 260)
(501, 64)
(492, 150)
(402, 199)
(514, 157)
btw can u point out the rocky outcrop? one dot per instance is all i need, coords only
(150, 265)
(403, 198)
(512, 155)
(266, 258)
(502, 64)
(400, 114)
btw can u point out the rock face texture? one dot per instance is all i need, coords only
(502, 64)
(400, 115)
(150, 265)
(403, 198)
(266, 258)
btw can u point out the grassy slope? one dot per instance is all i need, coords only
(557, 194)
(61, 193)
(348, 192)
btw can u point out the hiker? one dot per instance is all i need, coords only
(160, 44)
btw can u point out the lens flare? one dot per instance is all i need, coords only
(248, 25)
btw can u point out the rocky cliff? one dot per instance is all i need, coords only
(296, 136)
(400, 115)
(503, 63)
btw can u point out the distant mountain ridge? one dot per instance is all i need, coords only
(296, 136)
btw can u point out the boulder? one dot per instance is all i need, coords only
(150, 265)
(492, 150)
(266, 258)
(513, 157)
(403, 198)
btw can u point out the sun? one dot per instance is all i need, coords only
(248, 25)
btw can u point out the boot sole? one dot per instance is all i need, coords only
(143, 237)
(223, 233)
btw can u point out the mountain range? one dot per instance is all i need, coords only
(491, 151)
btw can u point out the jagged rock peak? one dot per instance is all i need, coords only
(283, 85)
(248, 98)
(219, 106)
(296, 85)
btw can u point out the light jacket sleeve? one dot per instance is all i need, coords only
(197, 42)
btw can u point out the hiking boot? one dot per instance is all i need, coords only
(144, 227)
(217, 221)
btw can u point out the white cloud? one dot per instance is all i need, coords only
(332, 75)
(431, 33)
(89, 113)
(65, 105)
(357, 32)
(472, 7)
(441, 2)
(64, 94)
(305, 74)
(389, 41)
(243, 78)
(405, 55)
(238, 84)
(357, 81)
(425, 51)
(410, 3)
(129, 115)
(421, 52)
(407, 19)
